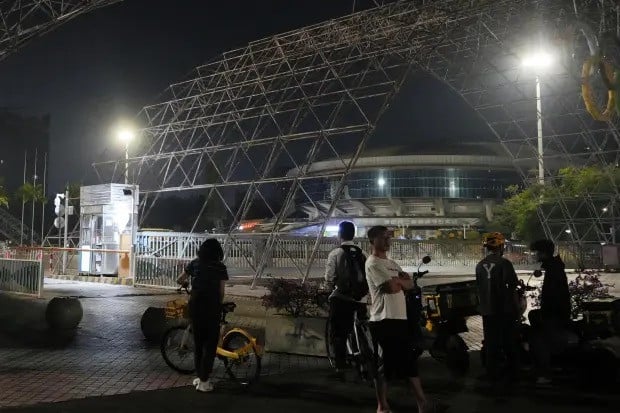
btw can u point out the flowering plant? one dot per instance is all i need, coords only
(587, 286)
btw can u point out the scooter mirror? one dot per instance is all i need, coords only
(426, 259)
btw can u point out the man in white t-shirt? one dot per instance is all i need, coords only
(388, 321)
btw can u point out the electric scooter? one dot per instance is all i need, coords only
(437, 314)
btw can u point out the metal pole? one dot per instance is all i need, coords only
(65, 243)
(44, 194)
(613, 222)
(127, 163)
(541, 166)
(34, 193)
(21, 237)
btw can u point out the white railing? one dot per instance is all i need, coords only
(22, 276)
(160, 257)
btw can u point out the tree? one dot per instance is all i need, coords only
(33, 193)
(4, 197)
(518, 214)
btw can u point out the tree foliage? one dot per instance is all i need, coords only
(518, 214)
(4, 197)
(29, 192)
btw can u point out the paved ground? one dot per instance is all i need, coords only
(108, 356)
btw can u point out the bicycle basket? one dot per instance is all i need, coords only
(176, 309)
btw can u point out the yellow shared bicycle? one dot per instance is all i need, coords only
(237, 349)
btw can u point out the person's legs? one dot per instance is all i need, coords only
(341, 322)
(492, 345)
(376, 331)
(199, 339)
(541, 352)
(211, 338)
(511, 348)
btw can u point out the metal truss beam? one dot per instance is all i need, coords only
(239, 123)
(23, 20)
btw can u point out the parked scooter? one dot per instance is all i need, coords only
(593, 357)
(437, 314)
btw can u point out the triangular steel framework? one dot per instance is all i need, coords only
(23, 20)
(318, 92)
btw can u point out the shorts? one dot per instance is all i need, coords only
(395, 358)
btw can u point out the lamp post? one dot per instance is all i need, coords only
(539, 61)
(126, 136)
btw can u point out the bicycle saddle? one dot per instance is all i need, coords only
(229, 307)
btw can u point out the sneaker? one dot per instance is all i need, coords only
(543, 381)
(196, 381)
(205, 386)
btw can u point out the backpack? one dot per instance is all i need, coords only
(353, 283)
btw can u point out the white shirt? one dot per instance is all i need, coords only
(384, 306)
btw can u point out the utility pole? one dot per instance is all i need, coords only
(65, 242)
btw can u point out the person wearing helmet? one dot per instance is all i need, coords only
(497, 289)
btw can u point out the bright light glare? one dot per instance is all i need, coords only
(539, 60)
(381, 181)
(605, 209)
(126, 135)
(568, 231)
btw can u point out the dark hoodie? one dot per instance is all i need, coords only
(555, 298)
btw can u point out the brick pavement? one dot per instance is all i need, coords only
(108, 356)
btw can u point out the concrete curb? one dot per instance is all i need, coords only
(91, 279)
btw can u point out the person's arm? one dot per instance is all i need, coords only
(406, 281)
(222, 289)
(391, 286)
(512, 281)
(330, 269)
(182, 279)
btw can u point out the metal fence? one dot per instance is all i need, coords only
(161, 257)
(22, 276)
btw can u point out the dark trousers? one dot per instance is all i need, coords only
(547, 337)
(205, 318)
(500, 342)
(341, 313)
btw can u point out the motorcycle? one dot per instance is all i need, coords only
(437, 314)
(592, 357)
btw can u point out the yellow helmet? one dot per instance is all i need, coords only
(493, 240)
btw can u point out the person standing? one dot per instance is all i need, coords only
(388, 322)
(345, 276)
(550, 323)
(499, 307)
(207, 275)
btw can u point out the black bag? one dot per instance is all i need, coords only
(353, 283)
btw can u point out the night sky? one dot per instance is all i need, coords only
(104, 66)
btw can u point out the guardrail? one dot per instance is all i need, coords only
(22, 276)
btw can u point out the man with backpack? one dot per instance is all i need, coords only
(499, 304)
(346, 277)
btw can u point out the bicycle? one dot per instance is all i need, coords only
(360, 352)
(236, 349)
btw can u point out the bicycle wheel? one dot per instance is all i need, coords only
(365, 361)
(177, 349)
(246, 369)
(329, 348)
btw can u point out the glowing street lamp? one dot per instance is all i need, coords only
(539, 61)
(381, 182)
(126, 135)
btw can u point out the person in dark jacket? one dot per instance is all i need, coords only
(497, 284)
(550, 323)
(207, 275)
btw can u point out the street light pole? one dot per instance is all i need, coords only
(126, 162)
(541, 166)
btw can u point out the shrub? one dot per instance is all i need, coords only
(294, 298)
(587, 286)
